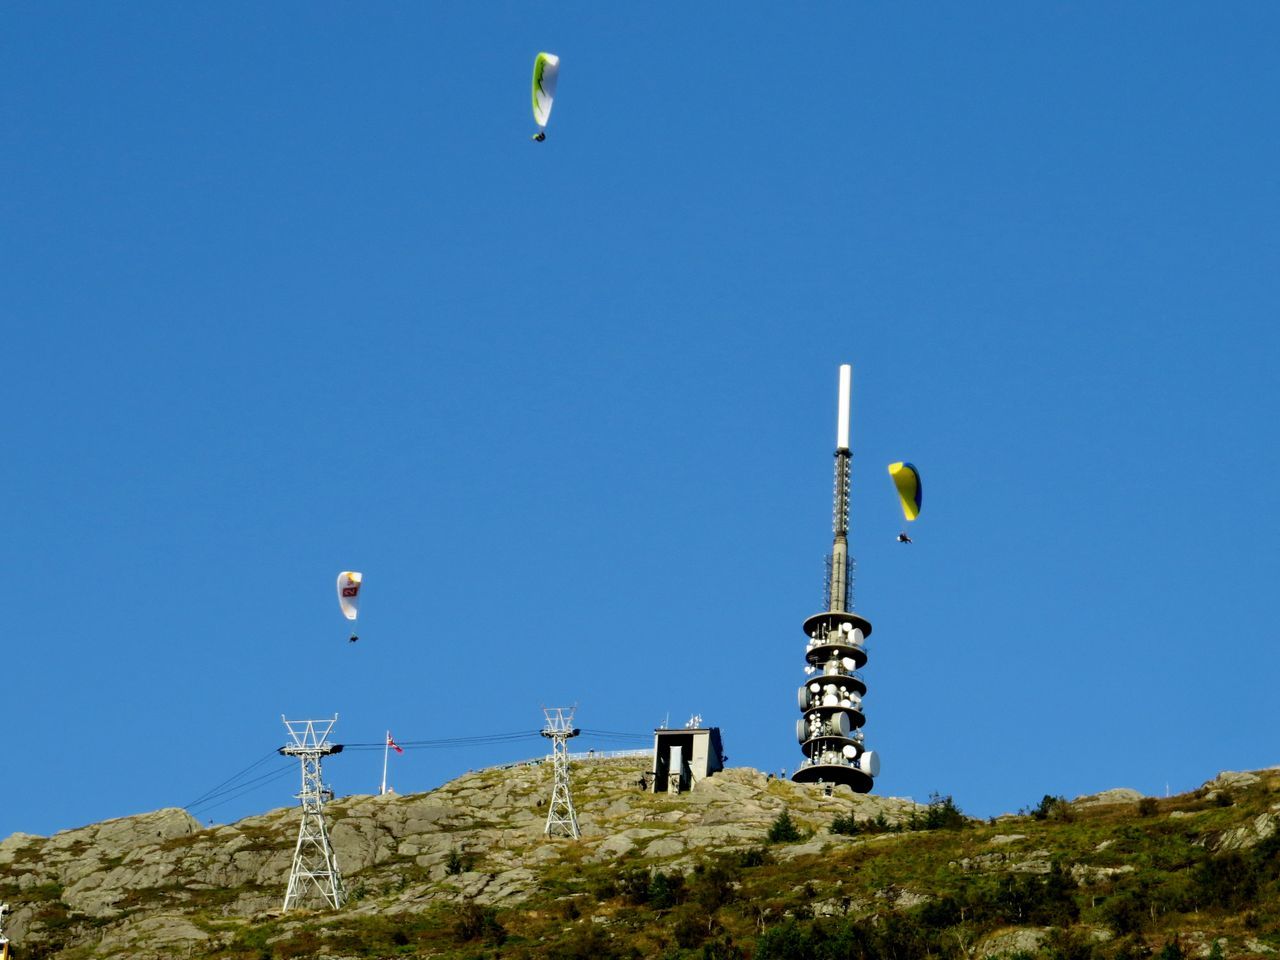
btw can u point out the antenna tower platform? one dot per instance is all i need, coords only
(315, 867)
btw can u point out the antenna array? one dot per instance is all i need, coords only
(830, 699)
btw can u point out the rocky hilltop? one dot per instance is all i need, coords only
(465, 871)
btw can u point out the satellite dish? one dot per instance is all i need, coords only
(801, 733)
(869, 763)
(815, 688)
(846, 627)
(849, 663)
(839, 724)
(845, 703)
(802, 695)
(849, 751)
(809, 670)
(856, 637)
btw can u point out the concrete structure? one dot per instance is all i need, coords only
(682, 758)
(830, 699)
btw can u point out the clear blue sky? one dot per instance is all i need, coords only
(287, 290)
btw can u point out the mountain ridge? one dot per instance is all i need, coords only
(161, 885)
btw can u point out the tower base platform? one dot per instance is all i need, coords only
(836, 773)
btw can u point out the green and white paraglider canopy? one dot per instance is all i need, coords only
(546, 68)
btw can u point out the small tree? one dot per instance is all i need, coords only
(455, 863)
(474, 922)
(1053, 808)
(845, 824)
(784, 829)
(943, 814)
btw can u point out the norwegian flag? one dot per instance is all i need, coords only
(393, 745)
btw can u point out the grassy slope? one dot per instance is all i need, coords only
(1113, 881)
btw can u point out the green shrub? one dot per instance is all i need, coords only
(784, 829)
(634, 884)
(754, 857)
(1228, 880)
(845, 825)
(665, 890)
(943, 814)
(1053, 808)
(689, 929)
(712, 885)
(474, 922)
(455, 863)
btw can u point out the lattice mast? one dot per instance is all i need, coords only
(315, 866)
(841, 582)
(562, 819)
(830, 698)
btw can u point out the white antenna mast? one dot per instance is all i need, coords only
(830, 699)
(386, 749)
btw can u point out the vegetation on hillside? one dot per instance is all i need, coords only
(1146, 879)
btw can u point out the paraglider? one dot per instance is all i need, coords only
(906, 478)
(349, 596)
(546, 68)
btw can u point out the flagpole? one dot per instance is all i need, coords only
(386, 747)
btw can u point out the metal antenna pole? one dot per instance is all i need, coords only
(838, 587)
(386, 749)
(315, 867)
(562, 819)
(830, 699)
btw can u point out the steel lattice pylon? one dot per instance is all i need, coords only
(315, 867)
(562, 819)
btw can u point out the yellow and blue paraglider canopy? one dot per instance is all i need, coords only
(910, 492)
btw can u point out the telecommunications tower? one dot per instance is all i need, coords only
(562, 819)
(315, 868)
(830, 699)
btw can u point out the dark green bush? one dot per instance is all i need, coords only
(784, 829)
(474, 922)
(1053, 808)
(754, 857)
(943, 814)
(845, 825)
(665, 890)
